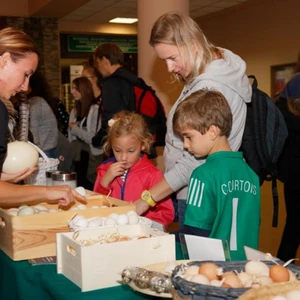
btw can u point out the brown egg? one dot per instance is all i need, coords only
(209, 270)
(279, 273)
(232, 280)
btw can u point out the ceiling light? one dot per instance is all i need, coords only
(123, 20)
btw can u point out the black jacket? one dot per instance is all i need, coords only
(117, 95)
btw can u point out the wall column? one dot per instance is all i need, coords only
(150, 68)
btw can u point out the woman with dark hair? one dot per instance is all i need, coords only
(42, 121)
(83, 126)
(40, 88)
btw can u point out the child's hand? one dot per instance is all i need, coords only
(115, 170)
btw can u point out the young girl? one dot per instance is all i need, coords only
(126, 175)
(83, 125)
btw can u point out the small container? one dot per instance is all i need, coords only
(65, 178)
(49, 176)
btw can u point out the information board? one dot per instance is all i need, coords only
(88, 43)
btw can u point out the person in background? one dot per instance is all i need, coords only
(40, 87)
(84, 124)
(194, 61)
(93, 75)
(223, 199)
(18, 61)
(129, 172)
(117, 93)
(42, 121)
(289, 105)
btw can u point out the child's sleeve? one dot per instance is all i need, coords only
(98, 187)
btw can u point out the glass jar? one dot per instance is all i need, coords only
(65, 178)
(49, 176)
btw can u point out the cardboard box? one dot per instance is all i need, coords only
(33, 236)
(100, 265)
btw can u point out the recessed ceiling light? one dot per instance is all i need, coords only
(123, 20)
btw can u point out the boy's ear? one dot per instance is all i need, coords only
(214, 132)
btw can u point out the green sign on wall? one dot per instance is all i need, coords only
(88, 43)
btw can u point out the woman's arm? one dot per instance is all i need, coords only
(12, 194)
(159, 191)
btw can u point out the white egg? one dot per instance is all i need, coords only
(94, 206)
(114, 216)
(36, 210)
(293, 295)
(103, 206)
(81, 206)
(41, 207)
(81, 222)
(110, 222)
(80, 190)
(24, 211)
(13, 211)
(95, 222)
(133, 219)
(20, 155)
(131, 212)
(43, 212)
(122, 220)
(52, 210)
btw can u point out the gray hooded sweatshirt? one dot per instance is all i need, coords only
(228, 77)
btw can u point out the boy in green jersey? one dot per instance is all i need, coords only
(224, 193)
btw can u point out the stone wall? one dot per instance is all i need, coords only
(46, 36)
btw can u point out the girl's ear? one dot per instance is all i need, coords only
(143, 147)
(214, 132)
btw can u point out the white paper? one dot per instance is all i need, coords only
(203, 248)
(253, 254)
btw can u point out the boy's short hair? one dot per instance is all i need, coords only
(112, 52)
(202, 109)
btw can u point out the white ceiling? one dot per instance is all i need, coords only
(101, 11)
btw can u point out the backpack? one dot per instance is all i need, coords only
(263, 139)
(150, 107)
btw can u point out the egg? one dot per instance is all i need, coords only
(293, 295)
(81, 206)
(80, 190)
(110, 222)
(25, 211)
(41, 207)
(13, 211)
(232, 280)
(133, 219)
(279, 273)
(95, 222)
(122, 219)
(209, 270)
(20, 155)
(256, 268)
(191, 270)
(245, 279)
(114, 216)
(200, 279)
(131, 212)
(82, 222)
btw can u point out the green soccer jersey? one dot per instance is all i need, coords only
(224, 197)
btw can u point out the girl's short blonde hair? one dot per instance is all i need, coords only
(128, 123)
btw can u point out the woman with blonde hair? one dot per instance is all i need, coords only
(194, 61)
(18, 61)
(83, 125)
(129, 171)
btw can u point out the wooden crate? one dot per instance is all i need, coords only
(100, 265)
(33, 236)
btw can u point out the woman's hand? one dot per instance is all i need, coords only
(115, 170)
(16, 177)
(64, 194)
(141, 207)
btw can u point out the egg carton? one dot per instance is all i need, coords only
(80, 223)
